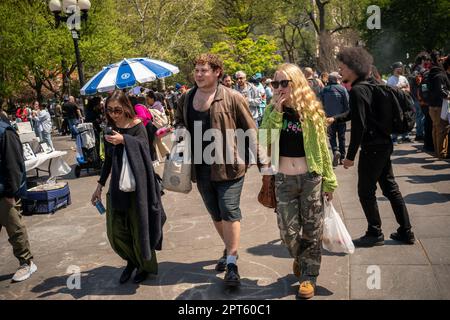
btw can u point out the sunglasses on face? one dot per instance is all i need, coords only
(283, 83)
(117, 111)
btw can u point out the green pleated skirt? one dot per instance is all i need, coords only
(123, 235)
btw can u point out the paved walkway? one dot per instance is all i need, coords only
(75, 239)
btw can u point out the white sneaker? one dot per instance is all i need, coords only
(24, 272)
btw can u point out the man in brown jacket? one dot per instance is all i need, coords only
(211, 111)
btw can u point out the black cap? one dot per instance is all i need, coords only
(396, 65)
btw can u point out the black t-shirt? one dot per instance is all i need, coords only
(291, 135)
(70, 110)
(199, 118)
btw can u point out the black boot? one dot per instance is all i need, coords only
(405, 237)
(126, 273)
(140, 276)
(369, 240)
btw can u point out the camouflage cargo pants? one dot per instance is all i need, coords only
(300, 219)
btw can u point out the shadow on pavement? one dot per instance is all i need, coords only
(426, 198)
(102, 281)
(255, 284)
(408, 160)
(426, 179)
(436, 166)
(272, 248)
(250, 289)
(6, 277)
(400, 153)
(178, 281)
(332, 254)
(390, 242)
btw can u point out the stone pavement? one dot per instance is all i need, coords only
(75, 239)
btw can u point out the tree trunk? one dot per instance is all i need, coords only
(38, 89)
(326, 61)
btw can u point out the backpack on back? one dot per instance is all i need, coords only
(399, 103)
(424, 87)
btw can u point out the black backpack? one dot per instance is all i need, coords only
(424, 89)
(399, 102)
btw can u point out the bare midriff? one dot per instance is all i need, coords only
(292, 166)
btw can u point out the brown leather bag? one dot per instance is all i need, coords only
(266, 195)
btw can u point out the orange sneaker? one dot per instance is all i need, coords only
(296, 268)
(306, 290)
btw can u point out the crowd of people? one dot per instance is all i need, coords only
(290, 119)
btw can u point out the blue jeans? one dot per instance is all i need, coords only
(72, 124)
(420, 120)
(47, 138)
(339, 130)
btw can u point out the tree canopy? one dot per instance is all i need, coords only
(408, 27)
(252, 35)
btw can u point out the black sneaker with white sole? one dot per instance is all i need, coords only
(232, 277)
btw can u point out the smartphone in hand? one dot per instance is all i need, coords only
(109, 131)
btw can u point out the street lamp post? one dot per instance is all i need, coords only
(72, 17)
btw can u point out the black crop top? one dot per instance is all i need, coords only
(291, 135)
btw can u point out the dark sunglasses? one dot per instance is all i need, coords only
(284, 83)
(117, 111)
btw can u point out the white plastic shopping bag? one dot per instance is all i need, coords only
(177, 169)
(445, 110)
(127, 183)
(335, 235)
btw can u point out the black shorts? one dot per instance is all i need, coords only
(222, 198)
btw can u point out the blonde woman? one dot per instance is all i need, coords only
(304, 175)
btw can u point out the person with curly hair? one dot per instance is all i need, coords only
(212, 107)
(296, 130)
(371, 128)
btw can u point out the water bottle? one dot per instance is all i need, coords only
(99, 205)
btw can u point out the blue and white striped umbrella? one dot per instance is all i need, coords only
(128, 73)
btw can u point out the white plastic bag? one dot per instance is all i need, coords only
(177, 169)
(335, 235)
(445, 110)
(127, 183)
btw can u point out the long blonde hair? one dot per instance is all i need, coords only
(303, 98)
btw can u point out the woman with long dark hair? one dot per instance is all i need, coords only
(134, 219)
